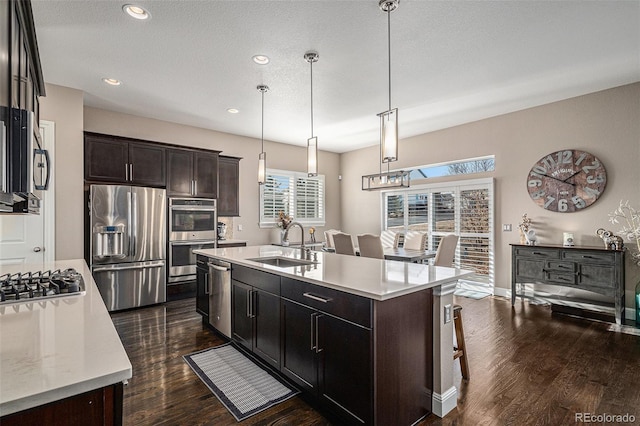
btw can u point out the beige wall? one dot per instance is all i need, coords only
(64, 107)
(279, 156)
(606, 124)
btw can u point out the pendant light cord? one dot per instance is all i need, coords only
(262, 137)
(311, 62)
(389, 44)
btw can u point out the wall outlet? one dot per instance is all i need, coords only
(506, 227)
(447, 314)
(239, 227)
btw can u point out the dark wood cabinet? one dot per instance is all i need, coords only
(97, 407)
(202, 287)
(328, 356)
(121, 160)
(344, 368)
(363, 361)
(228, 186)
(255, 313)
(192, 173)
(585, 268)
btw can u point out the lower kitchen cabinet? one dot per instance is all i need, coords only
(97, 407)
(362, 361)
(202, 288)
(255, 314)
(329, 358)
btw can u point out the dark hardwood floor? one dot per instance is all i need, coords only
(527, 367)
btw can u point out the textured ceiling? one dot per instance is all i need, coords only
(452, 61)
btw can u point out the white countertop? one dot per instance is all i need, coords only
(56, 348)
(231, 241)
(373, 278)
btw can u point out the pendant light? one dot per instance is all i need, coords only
(388, 128)
(312, 142)
(262, 157)
(389, 118)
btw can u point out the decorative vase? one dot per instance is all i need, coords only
(282, 241)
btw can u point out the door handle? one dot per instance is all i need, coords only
(126, 172)
(313, 346)
(131, 172)
(38, 249)
(249, 303)
(318, 349)
(206, 284)
(195, 187)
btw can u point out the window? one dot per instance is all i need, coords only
(462, 167)
(293, 193)
(462, 208)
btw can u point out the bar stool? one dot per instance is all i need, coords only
(461, 350)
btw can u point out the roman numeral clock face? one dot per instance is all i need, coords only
(566, 181)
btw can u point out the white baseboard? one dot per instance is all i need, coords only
(442, 404)
(629, 313)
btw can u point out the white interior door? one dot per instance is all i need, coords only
(24, 238)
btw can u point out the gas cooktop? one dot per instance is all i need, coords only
(40, 285)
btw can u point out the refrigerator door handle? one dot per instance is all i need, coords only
(129, 223)
(125, 266)
(134, 224)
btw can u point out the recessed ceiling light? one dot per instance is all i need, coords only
(112, 81)
(261, 59)
(233, 110)
(136, 12)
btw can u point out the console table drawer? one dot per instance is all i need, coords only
(562, 278)
(538, 253)
(589, 256)
(560, 266)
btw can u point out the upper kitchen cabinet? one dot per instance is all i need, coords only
(122, 160)
(21, 80)
(192, 173)
(228, 186)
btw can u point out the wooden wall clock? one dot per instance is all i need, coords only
(566, 181)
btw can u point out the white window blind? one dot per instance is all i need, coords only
(295, 194)
(461, 208)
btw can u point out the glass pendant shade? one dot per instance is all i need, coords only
(389, 135)
(262, 168)
(312, 156)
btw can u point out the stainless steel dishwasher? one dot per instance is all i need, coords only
(220, 296)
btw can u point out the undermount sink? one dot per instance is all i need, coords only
(282, 262)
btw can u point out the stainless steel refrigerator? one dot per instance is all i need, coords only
(128, 244)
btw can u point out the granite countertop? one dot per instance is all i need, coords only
(373, 278)
(56, 348)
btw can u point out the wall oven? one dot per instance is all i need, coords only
(192, 219)
(182, 261)
(192, 226)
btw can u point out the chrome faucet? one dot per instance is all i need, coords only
(303, 252)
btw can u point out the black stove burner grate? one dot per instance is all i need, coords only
(41, 284)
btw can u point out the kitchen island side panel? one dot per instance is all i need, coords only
(403, 358)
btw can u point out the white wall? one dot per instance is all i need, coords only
(606, 124)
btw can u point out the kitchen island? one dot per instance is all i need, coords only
(370, 340)
(61, 359)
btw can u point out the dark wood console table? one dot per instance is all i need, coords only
(586, 268)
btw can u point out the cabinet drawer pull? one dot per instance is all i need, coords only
(248, 303)
(586, 256)
(317, 298)
(538, 252)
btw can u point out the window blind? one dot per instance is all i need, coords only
(295, 194)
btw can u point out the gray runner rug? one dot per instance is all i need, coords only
(241, 385)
